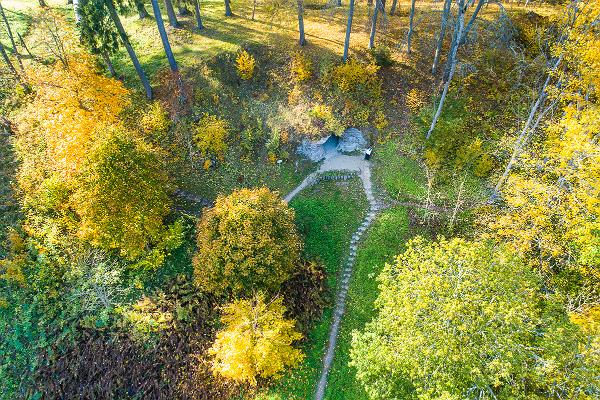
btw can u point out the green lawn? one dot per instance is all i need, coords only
(401, 176)
(384, 240)
(327, 214)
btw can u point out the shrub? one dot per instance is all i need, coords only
(353, 75)
(155, 121)
(256, 341)
(210, 134)
(245, 65)
(301, 67)
(246, 242)
(382, 55)
(304, 294)
(326, 120)
(415, 100)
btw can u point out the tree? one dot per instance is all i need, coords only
(122, 194)
(97, 32)
(14, 49)
(459, 319)
(171, 13)
(246, 242)
(110, 5)
(227, 9)
(440, 41)
(163, 36)
(256, 341)
(379, 6)
(452, 61)
(550, 211)
(393, 8)
(410, 26)
(348, 29)
(141, 9)
(57, 130)
(199, 24)
(300, 4)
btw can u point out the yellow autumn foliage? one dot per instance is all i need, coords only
(256, 341)
(246, 242)
(68, 106)
(245, 64)
(210, 134)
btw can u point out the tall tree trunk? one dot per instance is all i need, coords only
(348, 30)
(302, 39)
(339, 3)
(465, 34)
(410, 26)
(76, 11)
(15, 50)
(374, 24)
(521, 139)
(452, 60)
(141, 9)
(253, 9)
(183, 11)
(13, 70)
(227, 9)
(171, 14)
(199, 24)
(109, 64)
(440, 42)
(125, 39)
(394, 6)
(43, 3)
(163, 36)
(24, 45)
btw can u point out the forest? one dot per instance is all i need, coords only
(299, 199)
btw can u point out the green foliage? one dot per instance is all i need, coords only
(122, 196)
(256, 341)
(383, 241)
(301, 67)
(247, 242)
(451, 316)
(382, 55)
(210, 135)
(97, 31)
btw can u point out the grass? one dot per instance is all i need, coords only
(401, 176)
(326, 214)
(384, 241)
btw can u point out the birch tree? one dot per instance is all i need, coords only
(452, 61)
(442, 35)
(410, 26)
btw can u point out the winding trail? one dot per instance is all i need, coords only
(363, 167)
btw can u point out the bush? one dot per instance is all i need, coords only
(325, 120)
(256, 341)
(155, 122)
(245, 64)
(301, 67)
(353, 75)
(210, 134)
(382, 56)
(247, 242)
